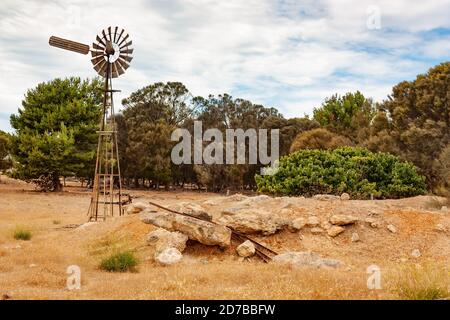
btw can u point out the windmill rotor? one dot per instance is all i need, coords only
(111, 53)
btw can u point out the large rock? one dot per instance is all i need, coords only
(163, 239)
(202, 231)
(246, 249)
(191, 209)
(335, 230)
(250, 221)
(312, 221)
(168, 257)
(305, 259)
(297, 224)
(136, 207)
(345, 196)
(342, 219)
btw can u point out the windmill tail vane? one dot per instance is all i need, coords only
(111, 54)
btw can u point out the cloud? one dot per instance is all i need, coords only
(289, 54)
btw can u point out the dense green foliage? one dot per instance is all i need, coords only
(319, 138)
(55, 130)
(5, 138)
(356, 171)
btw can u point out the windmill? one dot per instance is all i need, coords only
(111, 55)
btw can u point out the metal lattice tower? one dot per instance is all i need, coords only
(111, 55)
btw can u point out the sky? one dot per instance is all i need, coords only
(288, 54)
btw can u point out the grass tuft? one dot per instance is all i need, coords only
(119, 262)
(427, 282)
(22, 234)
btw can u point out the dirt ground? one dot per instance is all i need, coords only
(36, 269)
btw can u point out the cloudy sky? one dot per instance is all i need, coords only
(288, 54)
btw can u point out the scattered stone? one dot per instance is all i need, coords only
(374, 223)
(237, 197)
(215, 201)
(440, 228)
(342, 219)
(253, 200)
(169, 256)
(326, 197)
(316, 230)
(251, 220)
(392, 228)
(416, 253)
(163, 239)
(355, 237)
(136, 207)
(444, 208)
(305, 259)
(32, 265)
(297, 224)
(345, 196)
(191, 209)
(335, 230)
(312, 221)
(202, 231)
(246, 249)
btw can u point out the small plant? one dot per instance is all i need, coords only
(56, 221)
(119, 262)
(428, 282)
(22, 234)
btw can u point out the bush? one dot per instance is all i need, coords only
(119, 262)
(356, 171)
(22, 234)
(319, 138)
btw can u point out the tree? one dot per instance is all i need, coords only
(5, 162)
(320, 139)
(55, 130)
(417, 122)
(349, 115)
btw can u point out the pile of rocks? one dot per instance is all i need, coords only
(333, 227)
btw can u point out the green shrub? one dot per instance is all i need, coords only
(119, 262)
(22, 234)
(356, 171)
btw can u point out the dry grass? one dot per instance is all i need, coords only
(36, 269)
(428, 281)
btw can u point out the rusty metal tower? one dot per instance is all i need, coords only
(111, 55)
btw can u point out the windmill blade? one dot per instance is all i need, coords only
(95, 61)
(115, 33)
(98, 47)
(124, 39)
(123, 63)
(99, 67)
(127, 44)
(119, 68)
(68, 45)
(110, 34)
(114, 72)
(120, 35)
(95, 53)
(127, 51)
(105, 36)
(100, 41)
(127, 58)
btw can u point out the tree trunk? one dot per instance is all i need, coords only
(56, 183)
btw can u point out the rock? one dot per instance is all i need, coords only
(355, 237)
(325, 197)
(163, 239)
(316, 230)
(305, 259)
(342, 219)
(374, 223)
(440, 228)
(312, 221)
(202, 231)
(250, 221)
(345, 196)
(237, 197)
(168, 257)
(86, 225)
(246, 249)
(32, 265)
(214, 201)
(285, 212)
(392, 228)
(254, 200)
(297, 224)
(416, 253)
(191, 209)
(444, 208)
(335, 230)
(137, 207)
